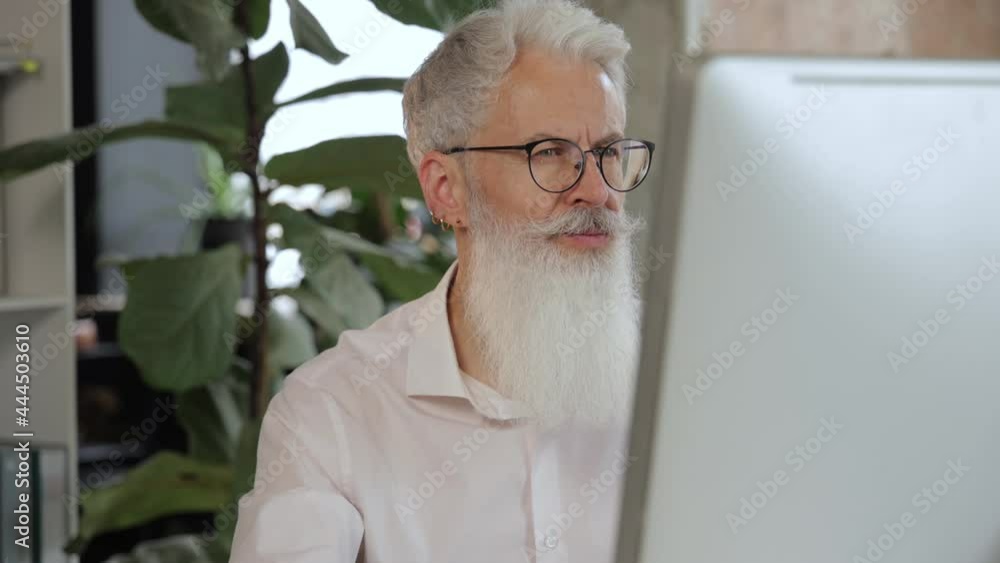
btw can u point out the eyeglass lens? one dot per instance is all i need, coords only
(556, 165)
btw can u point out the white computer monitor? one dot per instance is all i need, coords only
(820, 377)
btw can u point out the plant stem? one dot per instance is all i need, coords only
(260, 388)
(386, 221)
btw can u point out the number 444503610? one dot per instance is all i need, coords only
(22, 378)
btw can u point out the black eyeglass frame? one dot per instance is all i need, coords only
(598, 152)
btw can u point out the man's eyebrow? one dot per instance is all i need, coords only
(602, 142)
(540, 136)
(608, 139)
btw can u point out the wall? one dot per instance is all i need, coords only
(140, 183)
(36, 268)
(900, 28)
(649, 26)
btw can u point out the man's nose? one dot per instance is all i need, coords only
(592, 190)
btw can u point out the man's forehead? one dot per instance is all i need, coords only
(544, 92)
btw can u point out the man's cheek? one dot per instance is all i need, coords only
(540, 204)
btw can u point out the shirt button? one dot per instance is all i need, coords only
(551, 542)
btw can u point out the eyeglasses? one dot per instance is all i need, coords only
(557, 165)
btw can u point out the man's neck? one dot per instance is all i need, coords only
(467, 350)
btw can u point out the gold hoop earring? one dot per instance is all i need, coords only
(445, 226)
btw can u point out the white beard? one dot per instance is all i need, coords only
(558, 328)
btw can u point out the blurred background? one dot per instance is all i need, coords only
(240, 196)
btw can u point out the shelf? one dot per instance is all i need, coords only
(36, 269)
(100, 351)
(13, 304)
(89, 454)
(11, 65)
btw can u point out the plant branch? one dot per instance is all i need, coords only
(386, 220)
(260, 388)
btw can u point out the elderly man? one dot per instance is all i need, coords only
(484, 421)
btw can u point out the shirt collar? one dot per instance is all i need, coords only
(432, 367)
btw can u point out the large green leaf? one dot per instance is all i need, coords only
(179, 321)
(220, 106)
(82, 143)
(315, 241)
(334, 293)
(346, 291)
(433, 14)
(338, 297)
(185, 548)
(372, 163)
(320, 246)
(350, 87)
(258, 16)
(158, 14)
(310, 35)
(212, 415)
(400, 280)
(244, 469)
(315, 306)
(207, 25)
(245, 466)
(166, 484)
(292, 342)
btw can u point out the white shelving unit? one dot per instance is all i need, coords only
(37, 275)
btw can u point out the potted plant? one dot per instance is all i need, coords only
(226, 219)
(185, 325)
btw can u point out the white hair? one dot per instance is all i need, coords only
(447, 98)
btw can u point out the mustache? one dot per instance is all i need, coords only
(580, 220)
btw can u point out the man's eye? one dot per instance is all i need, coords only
(612, 152)
(549, 152)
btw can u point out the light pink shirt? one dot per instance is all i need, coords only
(381, 450)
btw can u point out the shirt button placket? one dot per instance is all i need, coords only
(546, 499)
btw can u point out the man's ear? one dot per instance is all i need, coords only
(444, 185)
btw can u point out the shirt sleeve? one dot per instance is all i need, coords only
(296, 512)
